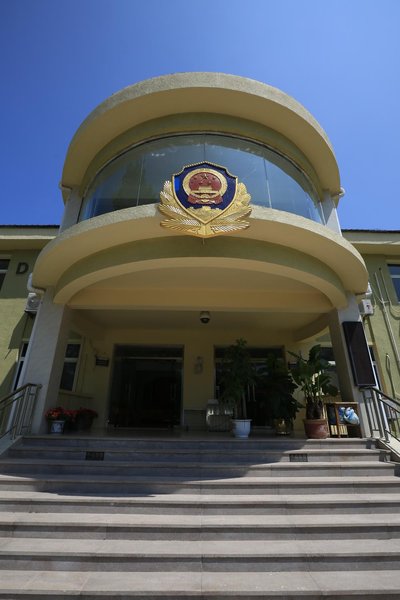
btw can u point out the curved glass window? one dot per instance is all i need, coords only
(137, 176)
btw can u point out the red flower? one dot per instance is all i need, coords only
(55, 414)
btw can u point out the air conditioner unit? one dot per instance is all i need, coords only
(366, 308)
(32, 303)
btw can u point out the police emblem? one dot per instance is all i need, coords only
(204, 200)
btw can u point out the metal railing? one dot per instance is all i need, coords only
(16, 410)
(383, 413)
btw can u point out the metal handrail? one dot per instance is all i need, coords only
(16, 410)
(383, 413)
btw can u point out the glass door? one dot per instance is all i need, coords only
(146, 387)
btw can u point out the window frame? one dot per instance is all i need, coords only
(19, 365)
(71, 360)
(393, 277)
(4, 271)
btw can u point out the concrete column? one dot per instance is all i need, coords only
(45, 358)
(330, 213)
(349, 391)
(71, 211)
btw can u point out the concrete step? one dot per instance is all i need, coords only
(157, 526)
(32, 466)
(243, 457)
(184, 444)
(187, 585)
(169, 555)
(168, 520)
(108, 485)
(202, 504)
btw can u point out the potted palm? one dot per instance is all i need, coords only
(311, 376)
(279, 387)
(237, 375)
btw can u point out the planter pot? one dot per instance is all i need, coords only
(70, 427)
(241, 428)
(283, 426)
(316, 429)
(84, 422)
(56, 426)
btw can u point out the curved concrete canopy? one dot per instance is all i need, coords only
(274, 291)
(75, 259)
(130, 259)
(203, 93)
(260, 277)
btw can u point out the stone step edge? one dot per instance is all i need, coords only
(33, 548)
(242, 458)
(285, 465)
(352, 504)
(201, 451)
(160, 520)
(154, 563)
(37, 497)
(205, 439)
(240, 482)
(204, 528)
(201, 595)
(187, 585)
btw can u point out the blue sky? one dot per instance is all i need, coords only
(339, 58)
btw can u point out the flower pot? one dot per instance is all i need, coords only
(56, 426)
(70, 427)
(84, 422)
(316, 429)
(241, 428)
(283, 426)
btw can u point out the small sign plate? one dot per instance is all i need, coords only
(298, 457)
(92, 455)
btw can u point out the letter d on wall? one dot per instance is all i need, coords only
(22, 268)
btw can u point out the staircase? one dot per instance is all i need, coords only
(215, 519)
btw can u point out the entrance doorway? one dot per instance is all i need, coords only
(146, 386)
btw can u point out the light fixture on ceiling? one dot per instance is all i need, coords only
(205, 317)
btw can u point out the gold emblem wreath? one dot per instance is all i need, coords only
(205, 221)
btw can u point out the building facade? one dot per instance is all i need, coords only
(147, 282)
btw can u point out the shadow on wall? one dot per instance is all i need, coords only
(6, 384)
(21, 331)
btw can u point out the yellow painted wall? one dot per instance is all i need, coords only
(377, 326)
(15, 325)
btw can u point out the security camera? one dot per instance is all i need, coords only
(205, 317)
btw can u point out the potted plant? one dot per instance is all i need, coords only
(237, 375)
(312, 378)
(279, 387)
(56, 419)
(85, 418)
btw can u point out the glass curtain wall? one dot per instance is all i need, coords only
(136, 177)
